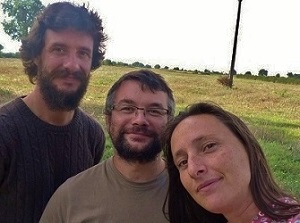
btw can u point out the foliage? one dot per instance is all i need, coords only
(207, 71)
(1, 48)
(263, 72)
(157, 66)
(121, 64)
(20, 15)
(274, 79)
(10, 55)
(224, 80)
(138, 64)
(107, 62)
(248, 73)
(290, 74)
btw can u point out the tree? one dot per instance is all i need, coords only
(19, 16)
(138, 64)
(1, 48)
(157, 66)
(107, 62)
(262, 72)
(207, 71)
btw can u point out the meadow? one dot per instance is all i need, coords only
(272, 110)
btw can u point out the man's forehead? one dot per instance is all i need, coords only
(134, 91)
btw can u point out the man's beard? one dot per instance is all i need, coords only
(127, 152)
(59, 100)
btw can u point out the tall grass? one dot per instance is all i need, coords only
(272, 110)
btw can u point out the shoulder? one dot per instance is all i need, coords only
(84, 115)
(88, 124)
(12, 117)
(8, 108)
(295, 219)
(84, 118)
(85, 177)
(83, 184)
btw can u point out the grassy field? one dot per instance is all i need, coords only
(272, 110)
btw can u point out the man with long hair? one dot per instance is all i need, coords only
(45, 137)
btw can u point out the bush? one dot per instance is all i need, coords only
(157, 66)
(224, 80)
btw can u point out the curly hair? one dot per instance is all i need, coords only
(60, 16)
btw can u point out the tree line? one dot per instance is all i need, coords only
(20, 14)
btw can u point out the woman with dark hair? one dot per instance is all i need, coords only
(218, 172)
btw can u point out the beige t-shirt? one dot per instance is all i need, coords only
(102, 194)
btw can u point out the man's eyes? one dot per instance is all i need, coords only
(155, 111)
(127, 109)
(59, 50)
(84, 53)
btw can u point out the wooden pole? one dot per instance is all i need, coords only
(231, 72)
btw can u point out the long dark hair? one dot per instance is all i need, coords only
(60, 16)
(266, 193)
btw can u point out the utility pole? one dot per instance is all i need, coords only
(235, 44)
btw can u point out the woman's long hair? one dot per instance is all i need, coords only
(266, 193)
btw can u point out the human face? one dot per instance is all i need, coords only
(64, 68)
(136, 136)
(213, 164)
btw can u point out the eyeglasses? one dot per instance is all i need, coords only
(131, 109)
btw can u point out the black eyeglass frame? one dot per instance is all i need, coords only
(132, 109)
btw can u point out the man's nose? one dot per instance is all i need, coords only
(72, 63)
(140, 117)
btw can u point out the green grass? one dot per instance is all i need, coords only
(285, 164)
(272, 110)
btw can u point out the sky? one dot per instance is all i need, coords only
(198, 34)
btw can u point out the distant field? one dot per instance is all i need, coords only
(272, 110)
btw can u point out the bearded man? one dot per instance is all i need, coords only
(132, 185)
(45, 138)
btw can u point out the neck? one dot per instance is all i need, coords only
(38, 106)
(245, 213)
(139, 172)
